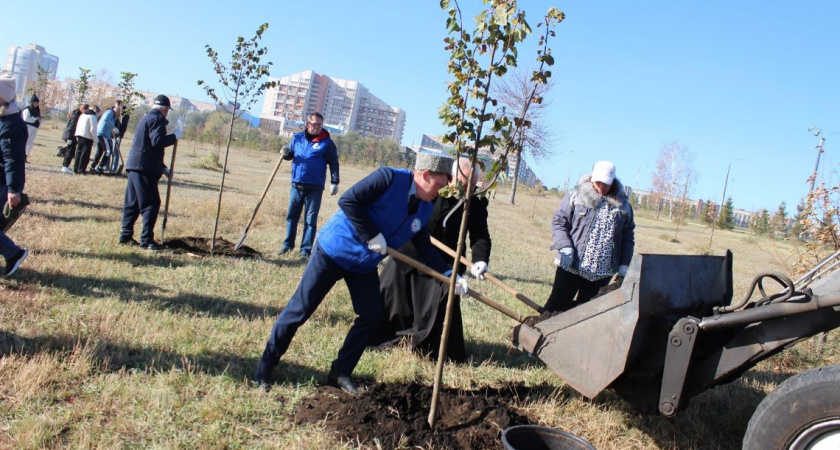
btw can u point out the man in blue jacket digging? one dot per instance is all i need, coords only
(387, 208)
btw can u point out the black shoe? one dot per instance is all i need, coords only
(98, 171)
(263, 376)
(13, 263)
(283, 251)
(342, 382)
(129, 242)
(151, 246)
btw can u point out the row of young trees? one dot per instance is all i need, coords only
(816, 217)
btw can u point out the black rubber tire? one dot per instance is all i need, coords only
(795, 409)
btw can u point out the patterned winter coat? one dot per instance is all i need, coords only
(573, 221)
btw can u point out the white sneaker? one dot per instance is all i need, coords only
(66, 170)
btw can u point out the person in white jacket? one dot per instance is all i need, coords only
(85, 134)
(32, 117)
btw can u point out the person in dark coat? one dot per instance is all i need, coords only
(415, 304)
(145, 167)
(388, 207)
(69, 137)
(13, 135)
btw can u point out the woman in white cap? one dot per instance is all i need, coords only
(13, 136)
(593, 233)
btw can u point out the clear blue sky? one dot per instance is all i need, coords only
(735, 82)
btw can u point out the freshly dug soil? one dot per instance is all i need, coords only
(201, 246)
(396, 415)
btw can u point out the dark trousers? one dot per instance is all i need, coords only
(566, 285)
(83, 146)
(141, 197)
(103, 153)
(69, 153)
(319, 277)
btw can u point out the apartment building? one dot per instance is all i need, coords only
(347, 107)
(22, 63)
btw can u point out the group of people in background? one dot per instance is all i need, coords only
(88, 128)
(592, 229)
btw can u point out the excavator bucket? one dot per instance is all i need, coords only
(624, 333)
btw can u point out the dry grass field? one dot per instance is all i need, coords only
(105, 346)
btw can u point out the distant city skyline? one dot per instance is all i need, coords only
(736, 83)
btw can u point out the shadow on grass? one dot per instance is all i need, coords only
(192, 185)
(75, 204)
(115, 356)
(131, 291)
(714, 419)
(281, 263)
(66, 219)
(140, 258)
(501, 355)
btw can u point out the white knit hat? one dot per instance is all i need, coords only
(7, 88)
(603, 171)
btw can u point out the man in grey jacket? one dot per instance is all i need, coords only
(593, 232)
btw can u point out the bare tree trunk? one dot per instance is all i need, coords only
(224, 172)
(450, 302)
(515, 182)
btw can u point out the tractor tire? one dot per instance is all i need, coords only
(802, 413)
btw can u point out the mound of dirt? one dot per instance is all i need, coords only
(396, 415)
(201, 247)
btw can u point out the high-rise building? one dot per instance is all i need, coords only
(347, 106)
(22, 63)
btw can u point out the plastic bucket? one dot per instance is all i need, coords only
(534, 437)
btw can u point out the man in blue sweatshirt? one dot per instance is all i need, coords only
(387, 208)
(311, 152)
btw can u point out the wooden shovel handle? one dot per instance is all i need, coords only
(505, 287)
(444, 279)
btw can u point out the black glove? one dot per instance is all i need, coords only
(288, 153)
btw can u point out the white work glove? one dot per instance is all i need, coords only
(333, 189)
(478, 269)
(378, 244)
(178, 133)
(622, 270)
(566, 257)
(461, 286)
